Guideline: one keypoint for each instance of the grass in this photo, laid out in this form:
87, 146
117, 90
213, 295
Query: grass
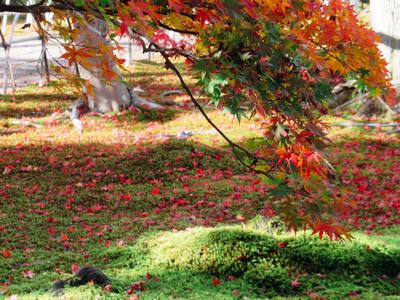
87, 199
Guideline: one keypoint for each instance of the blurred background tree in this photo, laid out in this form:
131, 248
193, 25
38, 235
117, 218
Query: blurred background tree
385, 19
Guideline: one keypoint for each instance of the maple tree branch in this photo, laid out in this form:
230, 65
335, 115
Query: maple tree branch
235, 147
333, 56
183, 31
42, 7
34, 8
137, 36
175, 50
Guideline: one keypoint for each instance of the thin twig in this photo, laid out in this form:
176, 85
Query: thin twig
235, 147
175, 50
183, 31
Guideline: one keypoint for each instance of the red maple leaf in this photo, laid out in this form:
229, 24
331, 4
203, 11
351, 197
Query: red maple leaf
249, 8
75, 268
6, 253
155, 191
51, 230
177, 5
282, 245
64, 237
51, 159
204, 16
216, 281
125, 22
295, 283
28, 273
137, 286
126, 197
73, 53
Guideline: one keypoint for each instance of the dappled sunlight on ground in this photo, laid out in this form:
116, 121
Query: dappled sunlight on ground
66, 197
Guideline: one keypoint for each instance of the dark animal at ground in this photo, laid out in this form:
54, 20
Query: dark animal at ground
84, 276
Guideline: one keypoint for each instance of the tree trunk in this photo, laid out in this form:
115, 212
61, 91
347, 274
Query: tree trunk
385, 16
107, 96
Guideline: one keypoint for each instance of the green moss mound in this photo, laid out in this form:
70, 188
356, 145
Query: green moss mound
246, 262
268, 262
234, 251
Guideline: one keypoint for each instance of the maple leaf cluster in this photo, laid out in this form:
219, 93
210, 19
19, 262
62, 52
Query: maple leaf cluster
274, 58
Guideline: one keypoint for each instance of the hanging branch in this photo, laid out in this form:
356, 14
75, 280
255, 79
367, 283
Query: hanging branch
235, 147
183, 31
34, 8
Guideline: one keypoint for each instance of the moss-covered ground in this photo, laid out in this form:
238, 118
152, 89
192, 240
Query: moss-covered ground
171, 218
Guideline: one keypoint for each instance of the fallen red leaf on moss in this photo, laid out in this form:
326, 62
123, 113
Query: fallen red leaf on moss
216, 281
6, 253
